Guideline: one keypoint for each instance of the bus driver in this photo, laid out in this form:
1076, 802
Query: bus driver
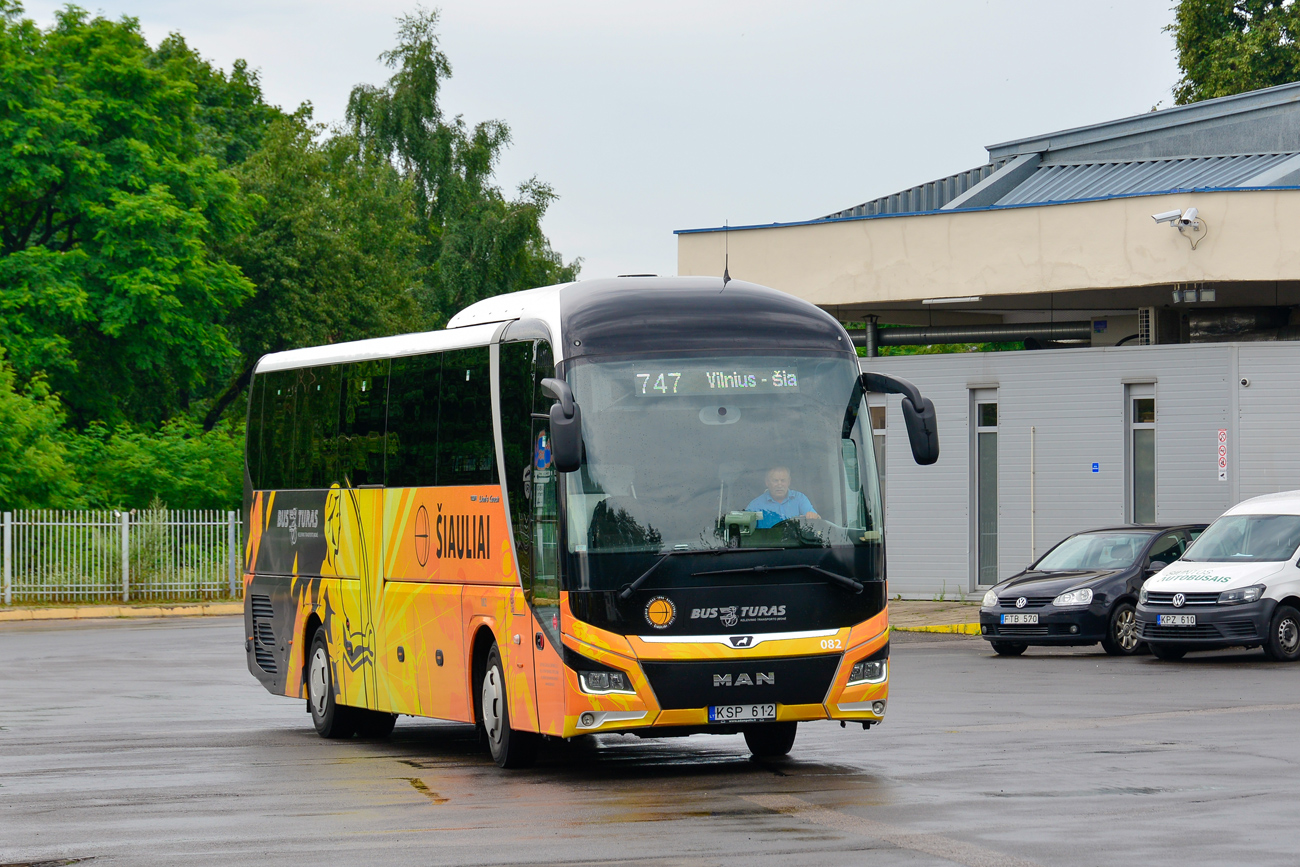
778, 503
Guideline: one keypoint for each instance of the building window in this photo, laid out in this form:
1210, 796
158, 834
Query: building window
877, 414
986, 486
1142, 453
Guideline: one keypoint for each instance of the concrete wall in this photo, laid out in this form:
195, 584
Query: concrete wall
1086, 245
1075, 401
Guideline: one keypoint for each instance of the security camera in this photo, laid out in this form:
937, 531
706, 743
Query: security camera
1169, 217
1189, 216
1245, 383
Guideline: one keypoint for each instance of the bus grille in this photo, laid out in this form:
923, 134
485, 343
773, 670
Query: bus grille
800, 680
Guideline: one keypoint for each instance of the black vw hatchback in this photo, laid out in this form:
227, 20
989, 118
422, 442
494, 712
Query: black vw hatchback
1083, 591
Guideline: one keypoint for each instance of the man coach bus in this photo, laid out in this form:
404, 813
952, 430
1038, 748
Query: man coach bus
539, 520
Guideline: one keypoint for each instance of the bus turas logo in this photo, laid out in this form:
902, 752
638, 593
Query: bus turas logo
733, 614
297, 519
761, 678
463, 537
660, 612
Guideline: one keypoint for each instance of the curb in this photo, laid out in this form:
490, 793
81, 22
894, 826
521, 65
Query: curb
99, 612
950, 628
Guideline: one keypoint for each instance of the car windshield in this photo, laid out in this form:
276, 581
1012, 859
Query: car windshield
1247, 538
687, 454
1093, 551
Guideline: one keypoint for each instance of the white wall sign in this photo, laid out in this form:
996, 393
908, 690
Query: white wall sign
1223, 455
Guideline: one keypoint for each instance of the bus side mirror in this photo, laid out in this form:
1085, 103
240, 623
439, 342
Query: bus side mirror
918, 414
566, 426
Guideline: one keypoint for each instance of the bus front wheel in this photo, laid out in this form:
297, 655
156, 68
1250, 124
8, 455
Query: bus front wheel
331, 719
509, 748
771, 740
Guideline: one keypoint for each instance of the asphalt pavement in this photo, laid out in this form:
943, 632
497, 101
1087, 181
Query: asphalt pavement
147, 742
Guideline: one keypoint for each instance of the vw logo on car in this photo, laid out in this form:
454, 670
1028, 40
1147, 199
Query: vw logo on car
1179, 600
1022, 602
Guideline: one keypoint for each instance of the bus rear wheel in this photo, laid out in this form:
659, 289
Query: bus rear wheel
771, 740
509, 748
331, 719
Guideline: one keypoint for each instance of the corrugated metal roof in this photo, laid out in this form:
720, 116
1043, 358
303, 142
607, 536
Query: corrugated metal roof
1072, 182
923, 197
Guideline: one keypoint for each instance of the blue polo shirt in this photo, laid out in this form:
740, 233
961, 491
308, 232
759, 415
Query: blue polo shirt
795, 505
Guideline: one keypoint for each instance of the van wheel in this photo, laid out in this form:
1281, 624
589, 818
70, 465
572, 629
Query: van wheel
771, 740
1166, 652
509, 748
1283, 642
1122, 631
331, 719
1009, 648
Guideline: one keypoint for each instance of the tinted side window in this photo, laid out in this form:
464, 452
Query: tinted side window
316, 430
413, 389
466, 451
516, 441
253, 434
277, 438
1168, 548
363, 407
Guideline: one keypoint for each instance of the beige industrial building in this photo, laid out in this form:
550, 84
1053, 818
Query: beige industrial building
1154, 262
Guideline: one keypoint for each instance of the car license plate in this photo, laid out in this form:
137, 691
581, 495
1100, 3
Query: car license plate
726, 713
1012, 619
1176, 620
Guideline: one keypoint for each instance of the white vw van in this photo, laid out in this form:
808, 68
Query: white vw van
1237, 585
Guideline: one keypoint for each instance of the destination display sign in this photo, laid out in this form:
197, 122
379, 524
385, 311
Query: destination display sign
693, 380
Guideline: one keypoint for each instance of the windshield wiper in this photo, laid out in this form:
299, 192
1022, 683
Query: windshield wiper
629, 589
843, 580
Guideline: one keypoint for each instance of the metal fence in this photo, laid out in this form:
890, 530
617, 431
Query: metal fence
64, 556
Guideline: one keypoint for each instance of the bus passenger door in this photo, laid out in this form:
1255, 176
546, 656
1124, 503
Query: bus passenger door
545, 580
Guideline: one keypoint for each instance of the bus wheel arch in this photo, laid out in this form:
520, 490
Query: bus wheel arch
480, 647
308, 634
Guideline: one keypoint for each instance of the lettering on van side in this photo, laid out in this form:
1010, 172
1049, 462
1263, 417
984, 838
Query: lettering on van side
463, 537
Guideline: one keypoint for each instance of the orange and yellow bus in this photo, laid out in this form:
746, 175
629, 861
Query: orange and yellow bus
640, 505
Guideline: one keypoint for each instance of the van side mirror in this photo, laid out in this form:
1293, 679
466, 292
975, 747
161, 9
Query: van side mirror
1155, 566
566, 426
918, 414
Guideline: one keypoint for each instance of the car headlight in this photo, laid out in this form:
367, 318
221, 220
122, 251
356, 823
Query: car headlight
990, 600
1241, 594
604, 682
869, 671
1142, 596
1072, 598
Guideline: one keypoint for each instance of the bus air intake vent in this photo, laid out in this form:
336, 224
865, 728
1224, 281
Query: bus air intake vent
262, 609
263, 633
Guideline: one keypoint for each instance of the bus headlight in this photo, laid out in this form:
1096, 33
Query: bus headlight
1074, 598
869, 671
1241, 594
990, 600
605, 682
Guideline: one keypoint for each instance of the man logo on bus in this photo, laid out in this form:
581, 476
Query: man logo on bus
660, 612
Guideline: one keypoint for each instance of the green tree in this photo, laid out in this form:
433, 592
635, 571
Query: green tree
476, 242
110, 206
35, 466
1232, 46
331, 249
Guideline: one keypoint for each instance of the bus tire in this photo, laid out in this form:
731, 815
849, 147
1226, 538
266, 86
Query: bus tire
1283, 641
509, 748
771, 740
331, 719
1167, 652
373, 724
1122, 631
1009, 648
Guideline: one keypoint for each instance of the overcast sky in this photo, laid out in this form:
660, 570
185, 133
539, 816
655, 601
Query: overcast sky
653, 116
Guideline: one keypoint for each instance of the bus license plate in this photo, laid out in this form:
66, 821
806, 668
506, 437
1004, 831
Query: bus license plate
727, 713
1176, 620
1022, 619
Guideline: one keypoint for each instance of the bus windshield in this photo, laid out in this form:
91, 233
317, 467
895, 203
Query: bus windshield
690, 454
